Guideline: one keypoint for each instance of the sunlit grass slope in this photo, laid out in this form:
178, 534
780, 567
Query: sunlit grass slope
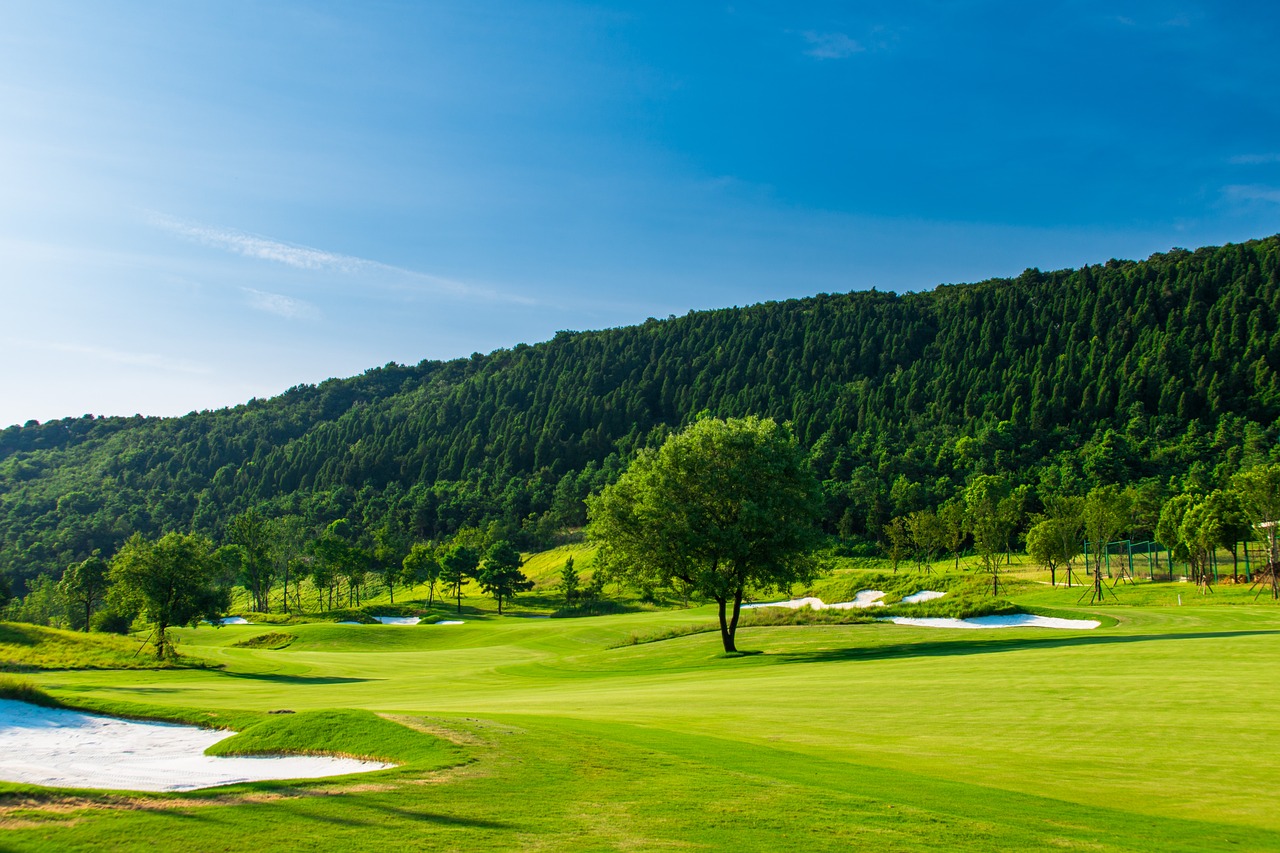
1148, 734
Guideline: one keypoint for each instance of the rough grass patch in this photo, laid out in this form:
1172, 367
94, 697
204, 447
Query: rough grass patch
22, 690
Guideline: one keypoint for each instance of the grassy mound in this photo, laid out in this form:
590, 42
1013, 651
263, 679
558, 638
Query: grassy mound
28, 648
270, 640
344, 733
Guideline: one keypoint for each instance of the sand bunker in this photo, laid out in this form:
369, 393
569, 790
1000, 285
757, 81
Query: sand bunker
865, 598
923, 595
64, 748
451, 622
234, 620
398, 620
1018, 620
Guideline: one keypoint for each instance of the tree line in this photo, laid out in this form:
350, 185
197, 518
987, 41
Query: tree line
183, 578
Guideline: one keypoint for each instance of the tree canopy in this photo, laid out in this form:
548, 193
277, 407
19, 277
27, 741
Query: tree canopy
721, 506
172, 581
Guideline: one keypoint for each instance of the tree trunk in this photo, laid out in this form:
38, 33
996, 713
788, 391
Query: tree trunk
1053, 575
161, 640
88, 609
726, 631
391, 588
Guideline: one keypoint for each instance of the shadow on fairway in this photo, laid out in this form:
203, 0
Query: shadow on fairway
945, 648
296, 679
437, 818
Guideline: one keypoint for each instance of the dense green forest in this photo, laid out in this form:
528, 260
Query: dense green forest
1160, 374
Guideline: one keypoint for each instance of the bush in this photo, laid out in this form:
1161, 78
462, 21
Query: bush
112, 622
592, 608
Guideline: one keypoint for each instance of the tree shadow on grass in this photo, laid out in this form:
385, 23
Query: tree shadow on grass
987, 645
437, 818
276, 678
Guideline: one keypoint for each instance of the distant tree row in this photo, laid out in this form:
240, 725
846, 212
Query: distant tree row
180, 579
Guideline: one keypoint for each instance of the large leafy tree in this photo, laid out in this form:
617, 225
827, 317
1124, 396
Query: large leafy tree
723, 505
171, 581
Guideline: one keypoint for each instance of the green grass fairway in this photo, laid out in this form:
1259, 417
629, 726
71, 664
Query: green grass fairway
1152, 733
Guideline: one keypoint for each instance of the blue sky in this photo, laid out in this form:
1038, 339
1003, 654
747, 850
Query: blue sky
205, 202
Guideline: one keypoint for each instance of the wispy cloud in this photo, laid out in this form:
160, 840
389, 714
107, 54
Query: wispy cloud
318, 260
1252, 192
281, 305
261, 248
132, 359
831, 45
1254, 159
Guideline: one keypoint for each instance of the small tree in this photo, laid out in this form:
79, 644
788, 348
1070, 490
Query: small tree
84, 586
420, 565
721, 505
457, 568
500, 575
252, 533
1065, 511
1048, 547
988, 523
1169, 527
1230, 524
1106, 513
951, 515
355, 570
288, 540
899, 541
171, 581
1259, 490
388, 557
569, 582
928, 535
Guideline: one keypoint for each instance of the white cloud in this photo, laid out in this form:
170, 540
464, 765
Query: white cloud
318, 260
262, 248
831, 45
281, 305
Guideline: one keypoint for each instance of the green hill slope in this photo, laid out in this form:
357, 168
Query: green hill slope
1109, 373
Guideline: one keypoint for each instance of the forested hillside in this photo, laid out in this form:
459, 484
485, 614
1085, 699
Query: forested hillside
1118, 373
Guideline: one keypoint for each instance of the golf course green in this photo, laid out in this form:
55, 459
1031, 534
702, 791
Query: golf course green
1151, 732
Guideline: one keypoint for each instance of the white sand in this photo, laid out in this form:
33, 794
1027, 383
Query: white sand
451, 622
865, 598
923, 595
398, 620
1019, 620
59, 747
234, 620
